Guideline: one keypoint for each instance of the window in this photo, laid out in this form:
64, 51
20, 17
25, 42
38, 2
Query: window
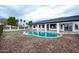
76, 26
33, 26
53, 26
43, 26
61, 26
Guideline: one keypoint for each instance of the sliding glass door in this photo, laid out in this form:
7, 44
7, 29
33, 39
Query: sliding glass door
68, 27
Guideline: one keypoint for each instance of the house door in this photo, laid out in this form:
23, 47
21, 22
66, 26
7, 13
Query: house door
68, 27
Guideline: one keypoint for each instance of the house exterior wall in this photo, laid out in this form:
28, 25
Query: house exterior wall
51, 28
74, 28
61, 29
37, 27
33, 26
58, 27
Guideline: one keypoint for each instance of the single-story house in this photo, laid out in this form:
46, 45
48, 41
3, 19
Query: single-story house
70, 23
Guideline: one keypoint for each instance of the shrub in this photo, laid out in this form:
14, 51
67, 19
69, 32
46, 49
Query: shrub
1, 30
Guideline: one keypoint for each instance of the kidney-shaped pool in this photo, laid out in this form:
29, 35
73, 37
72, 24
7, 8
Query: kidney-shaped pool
43, 34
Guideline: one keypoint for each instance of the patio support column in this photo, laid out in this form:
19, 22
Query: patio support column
32, 26
10, 27
28, 27
18, 27
73, 27
49, 26
37, 27
41, 27
45, 27
58, 28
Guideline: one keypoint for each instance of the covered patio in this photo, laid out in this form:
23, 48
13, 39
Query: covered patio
48, 27
58, 25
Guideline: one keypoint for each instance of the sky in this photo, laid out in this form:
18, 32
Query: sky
38, 12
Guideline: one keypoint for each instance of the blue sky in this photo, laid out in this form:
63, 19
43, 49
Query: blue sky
38, 12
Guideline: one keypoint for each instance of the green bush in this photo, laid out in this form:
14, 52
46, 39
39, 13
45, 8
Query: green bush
1, 30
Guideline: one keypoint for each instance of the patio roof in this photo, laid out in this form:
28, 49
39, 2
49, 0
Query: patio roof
57, 20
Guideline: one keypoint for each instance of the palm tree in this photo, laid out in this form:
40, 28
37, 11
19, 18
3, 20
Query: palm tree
30, 24
24, 21
20, 20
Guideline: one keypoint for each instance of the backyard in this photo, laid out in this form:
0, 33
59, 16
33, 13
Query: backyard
16, 42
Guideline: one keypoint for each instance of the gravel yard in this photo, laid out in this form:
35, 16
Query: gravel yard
16, 42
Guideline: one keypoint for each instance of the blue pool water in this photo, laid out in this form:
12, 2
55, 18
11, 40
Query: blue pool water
43, 34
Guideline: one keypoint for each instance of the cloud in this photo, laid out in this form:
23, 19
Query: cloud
38, 12
47, 12
74, 10
17, 11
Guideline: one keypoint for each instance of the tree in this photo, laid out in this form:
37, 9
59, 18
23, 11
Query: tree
17, 21
1, 30
12, 21
20, 20
24, 21
30, 24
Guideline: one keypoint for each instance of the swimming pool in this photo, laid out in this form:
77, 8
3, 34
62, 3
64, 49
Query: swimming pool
43, 34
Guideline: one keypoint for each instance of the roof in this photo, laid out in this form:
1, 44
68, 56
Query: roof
61, 19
